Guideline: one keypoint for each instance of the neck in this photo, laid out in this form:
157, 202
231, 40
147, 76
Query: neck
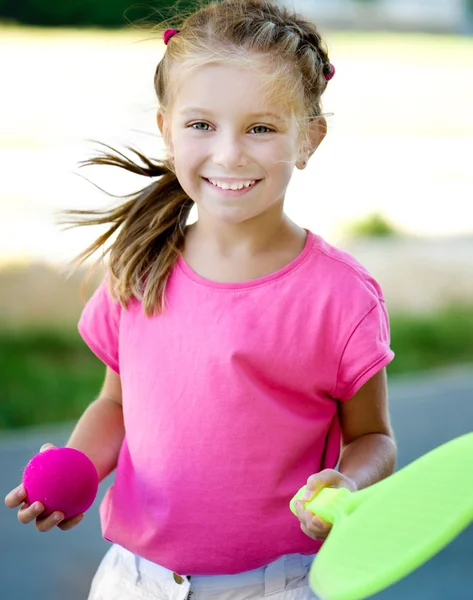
250, 238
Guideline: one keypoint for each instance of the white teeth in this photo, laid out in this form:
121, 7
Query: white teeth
231, 186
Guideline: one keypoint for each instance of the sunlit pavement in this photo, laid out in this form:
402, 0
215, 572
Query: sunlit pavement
426, 412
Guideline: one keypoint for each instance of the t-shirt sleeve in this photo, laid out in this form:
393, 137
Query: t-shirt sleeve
99, 326
366, 352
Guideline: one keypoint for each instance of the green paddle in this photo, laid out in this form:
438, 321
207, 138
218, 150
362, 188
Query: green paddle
384, 532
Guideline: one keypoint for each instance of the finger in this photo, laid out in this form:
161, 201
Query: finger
319, 525
70, 523
317, 482
311, 522
48, 523
319, 537
30, 512
15, 497
316, 527
301, 512
305, 516
46, 446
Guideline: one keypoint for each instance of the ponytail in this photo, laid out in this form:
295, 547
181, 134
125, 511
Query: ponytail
149, 227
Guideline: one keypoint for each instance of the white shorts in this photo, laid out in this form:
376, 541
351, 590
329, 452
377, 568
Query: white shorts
125, 576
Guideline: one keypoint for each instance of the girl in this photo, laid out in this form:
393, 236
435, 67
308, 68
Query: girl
244, 355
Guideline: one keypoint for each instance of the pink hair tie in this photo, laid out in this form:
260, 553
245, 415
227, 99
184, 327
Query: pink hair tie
168, 35
329, 76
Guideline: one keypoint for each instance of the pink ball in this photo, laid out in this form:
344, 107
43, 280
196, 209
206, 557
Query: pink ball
63, 479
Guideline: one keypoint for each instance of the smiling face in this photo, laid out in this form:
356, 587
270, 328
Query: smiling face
223, 133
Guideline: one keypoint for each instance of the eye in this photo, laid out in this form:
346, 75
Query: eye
200, 126
268, 130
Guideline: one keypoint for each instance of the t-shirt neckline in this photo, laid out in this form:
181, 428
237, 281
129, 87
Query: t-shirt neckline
270, 277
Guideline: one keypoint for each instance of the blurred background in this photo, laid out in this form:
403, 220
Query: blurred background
392, 184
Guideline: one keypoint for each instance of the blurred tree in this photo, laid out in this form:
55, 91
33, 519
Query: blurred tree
372, 226
101, 13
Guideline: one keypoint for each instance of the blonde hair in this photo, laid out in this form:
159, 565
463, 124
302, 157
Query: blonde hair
150, 223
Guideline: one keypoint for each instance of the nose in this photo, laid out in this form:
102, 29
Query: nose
229, 151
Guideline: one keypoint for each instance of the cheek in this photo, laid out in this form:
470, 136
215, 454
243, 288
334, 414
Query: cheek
282, 167
187, 154
283, 158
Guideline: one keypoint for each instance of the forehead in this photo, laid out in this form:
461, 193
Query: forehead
226, 89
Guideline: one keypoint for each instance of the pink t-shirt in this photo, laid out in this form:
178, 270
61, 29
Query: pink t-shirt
230, 403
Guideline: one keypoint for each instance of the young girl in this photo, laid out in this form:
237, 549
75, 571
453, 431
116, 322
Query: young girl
244, 355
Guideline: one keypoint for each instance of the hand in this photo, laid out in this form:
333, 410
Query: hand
28, 513
313, 526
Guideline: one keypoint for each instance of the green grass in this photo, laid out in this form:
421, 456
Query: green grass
47, 377
431, 341
50, 376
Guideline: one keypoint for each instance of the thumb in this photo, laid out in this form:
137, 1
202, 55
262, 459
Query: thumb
47, 446
317, 482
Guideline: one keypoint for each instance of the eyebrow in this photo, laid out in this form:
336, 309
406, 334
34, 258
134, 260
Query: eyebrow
262, 115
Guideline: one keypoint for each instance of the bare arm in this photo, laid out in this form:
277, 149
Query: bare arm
369, 450
368, 453
100, 431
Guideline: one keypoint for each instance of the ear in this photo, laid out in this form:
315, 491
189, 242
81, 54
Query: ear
317, 129
163, 127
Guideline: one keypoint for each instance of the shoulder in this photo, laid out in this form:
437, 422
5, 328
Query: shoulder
337, 271
356, 320
104, 299
99, 324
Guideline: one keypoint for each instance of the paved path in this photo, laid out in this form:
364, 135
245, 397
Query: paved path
59, 565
